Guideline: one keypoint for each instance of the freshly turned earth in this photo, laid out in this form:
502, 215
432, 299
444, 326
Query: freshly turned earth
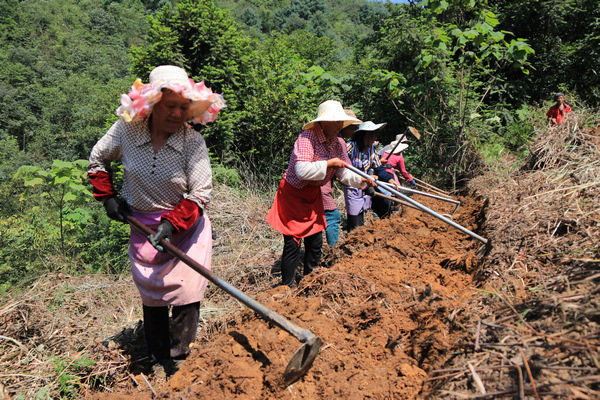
385, 308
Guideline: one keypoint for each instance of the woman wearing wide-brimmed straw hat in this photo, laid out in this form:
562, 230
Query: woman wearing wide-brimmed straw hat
393, 159
362, 153
297, 211
167, 182
332, 214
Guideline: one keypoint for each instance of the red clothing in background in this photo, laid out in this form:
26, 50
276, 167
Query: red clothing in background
558, 114
397, 161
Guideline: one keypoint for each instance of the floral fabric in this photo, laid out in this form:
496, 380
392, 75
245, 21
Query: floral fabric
363, 160
138, 103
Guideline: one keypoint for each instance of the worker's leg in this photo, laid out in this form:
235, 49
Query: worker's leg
184, 323
156, 330
381, 206
332, 232
312, 252
355, 221
290, 258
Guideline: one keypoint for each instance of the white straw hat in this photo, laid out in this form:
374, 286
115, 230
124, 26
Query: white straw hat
370, 126
171, 74
331, 110
402, 144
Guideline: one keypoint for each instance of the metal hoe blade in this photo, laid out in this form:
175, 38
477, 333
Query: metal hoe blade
302, 360
304, 356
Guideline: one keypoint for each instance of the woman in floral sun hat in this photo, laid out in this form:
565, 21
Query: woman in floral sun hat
167, 183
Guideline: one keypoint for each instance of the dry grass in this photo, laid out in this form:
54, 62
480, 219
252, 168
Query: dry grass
49, 332
535, 330
64, 334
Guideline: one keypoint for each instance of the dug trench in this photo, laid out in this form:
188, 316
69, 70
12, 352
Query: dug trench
388, 306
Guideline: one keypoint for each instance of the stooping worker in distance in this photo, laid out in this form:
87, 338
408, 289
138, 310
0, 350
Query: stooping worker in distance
395, 160
167, 183
557, 112
297, 211
332, 214
363, 155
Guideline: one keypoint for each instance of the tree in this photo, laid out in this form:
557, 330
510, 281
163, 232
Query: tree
64, 185
564, 36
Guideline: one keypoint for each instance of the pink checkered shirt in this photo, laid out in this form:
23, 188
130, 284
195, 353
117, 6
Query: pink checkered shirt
312, 145
327, 196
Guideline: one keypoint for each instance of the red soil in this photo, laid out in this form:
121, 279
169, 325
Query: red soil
387, 308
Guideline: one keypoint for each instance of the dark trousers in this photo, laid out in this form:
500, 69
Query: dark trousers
355, 221
170, 337
380, 206
290, 258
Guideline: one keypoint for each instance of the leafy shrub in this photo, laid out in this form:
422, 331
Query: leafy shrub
225, 175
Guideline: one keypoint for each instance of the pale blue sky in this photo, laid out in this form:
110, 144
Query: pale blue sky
392, 1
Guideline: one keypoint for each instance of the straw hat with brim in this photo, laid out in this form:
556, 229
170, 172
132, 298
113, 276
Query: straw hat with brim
138, 103
351, 114
331, 111
370, 126
403, 145
350, 129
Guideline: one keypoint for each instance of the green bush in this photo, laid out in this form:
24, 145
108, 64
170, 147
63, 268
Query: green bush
225, 175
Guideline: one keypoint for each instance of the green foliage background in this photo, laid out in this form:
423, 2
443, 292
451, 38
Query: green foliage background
473, 76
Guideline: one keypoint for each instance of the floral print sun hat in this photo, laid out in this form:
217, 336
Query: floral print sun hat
138, 103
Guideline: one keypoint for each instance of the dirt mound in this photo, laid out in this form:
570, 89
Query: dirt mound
385, 307
534, 326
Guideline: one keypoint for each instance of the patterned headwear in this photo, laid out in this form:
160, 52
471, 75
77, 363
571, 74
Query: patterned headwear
138, 103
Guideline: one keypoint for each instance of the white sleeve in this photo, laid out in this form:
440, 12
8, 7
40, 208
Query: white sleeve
349, 178
311, 171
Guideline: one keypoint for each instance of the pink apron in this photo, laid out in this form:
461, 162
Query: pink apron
162, 279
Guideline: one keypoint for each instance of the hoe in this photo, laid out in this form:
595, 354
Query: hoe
302, 358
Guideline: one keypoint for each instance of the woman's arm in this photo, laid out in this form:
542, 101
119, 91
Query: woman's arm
106, 150
311, 170
403, 170
197, 170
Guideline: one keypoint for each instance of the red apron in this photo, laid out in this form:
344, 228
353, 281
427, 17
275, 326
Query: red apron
297, 212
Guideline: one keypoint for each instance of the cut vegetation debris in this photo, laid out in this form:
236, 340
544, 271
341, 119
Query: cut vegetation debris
405, 306
534, 327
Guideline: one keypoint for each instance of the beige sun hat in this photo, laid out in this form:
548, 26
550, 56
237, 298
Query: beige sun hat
402, 143
351, 114
348, 131
171, 74
331, 110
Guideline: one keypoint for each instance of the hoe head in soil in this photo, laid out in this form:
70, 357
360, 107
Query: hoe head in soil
302, 360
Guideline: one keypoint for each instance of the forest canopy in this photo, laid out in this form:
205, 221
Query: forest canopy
469, 74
